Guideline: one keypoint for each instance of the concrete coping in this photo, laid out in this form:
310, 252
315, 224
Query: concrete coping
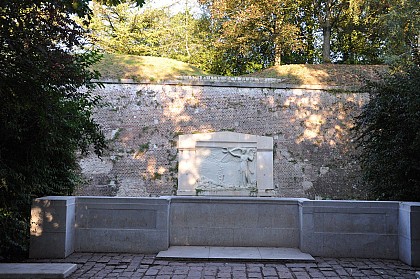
57, 198
110, 198
412, 206
363, 203
245, 82
36, 270
221, 139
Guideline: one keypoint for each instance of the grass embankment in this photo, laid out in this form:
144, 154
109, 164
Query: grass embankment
324, 74
116, 66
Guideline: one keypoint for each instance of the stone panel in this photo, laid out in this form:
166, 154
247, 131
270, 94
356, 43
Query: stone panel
130, 219
221, 221
122, 225
349, 229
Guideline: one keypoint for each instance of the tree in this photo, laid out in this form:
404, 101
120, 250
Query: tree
328, 14
126, 29
389, 137
307, 22
400, 31
253, 34
186, 38
358, 38
367, 31
45, 109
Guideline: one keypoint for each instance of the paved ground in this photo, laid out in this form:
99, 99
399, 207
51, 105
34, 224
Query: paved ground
106, 265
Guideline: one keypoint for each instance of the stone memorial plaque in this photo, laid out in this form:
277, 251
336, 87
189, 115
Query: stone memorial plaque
226, 164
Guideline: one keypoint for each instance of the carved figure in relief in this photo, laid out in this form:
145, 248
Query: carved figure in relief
246, 155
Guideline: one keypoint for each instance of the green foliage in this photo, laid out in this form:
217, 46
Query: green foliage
250, 35
127, 29
233, 37
358, 34
400, 31
389, 137
144, 147
117, 29
156, 176
45, 119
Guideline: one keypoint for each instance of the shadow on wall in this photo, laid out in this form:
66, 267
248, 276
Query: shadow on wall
326, 138
52, 227
313, 155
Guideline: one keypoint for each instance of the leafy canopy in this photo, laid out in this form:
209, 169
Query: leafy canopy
234, 37
389, 136
127, 29
45, 117
253, 34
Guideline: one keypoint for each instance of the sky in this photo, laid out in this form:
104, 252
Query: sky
175, 5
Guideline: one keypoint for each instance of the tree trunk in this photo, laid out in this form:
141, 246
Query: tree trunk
277, 55
277, 46
418, 44
326, 32
326, 45
187, 12
310, 48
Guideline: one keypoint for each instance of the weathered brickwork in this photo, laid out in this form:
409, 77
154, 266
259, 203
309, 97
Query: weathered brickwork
313, 152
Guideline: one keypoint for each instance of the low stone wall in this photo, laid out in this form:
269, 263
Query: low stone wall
342, 228
63, 225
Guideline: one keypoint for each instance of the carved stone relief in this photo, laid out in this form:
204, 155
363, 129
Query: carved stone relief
227, 168
225, 163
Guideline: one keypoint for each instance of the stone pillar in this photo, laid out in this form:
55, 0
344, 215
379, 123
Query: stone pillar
52, 227
265, 167
409, 233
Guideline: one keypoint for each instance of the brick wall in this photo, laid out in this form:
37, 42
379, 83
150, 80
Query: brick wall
313, 152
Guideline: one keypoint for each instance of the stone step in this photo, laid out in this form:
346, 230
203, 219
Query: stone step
36, 270
235, 253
